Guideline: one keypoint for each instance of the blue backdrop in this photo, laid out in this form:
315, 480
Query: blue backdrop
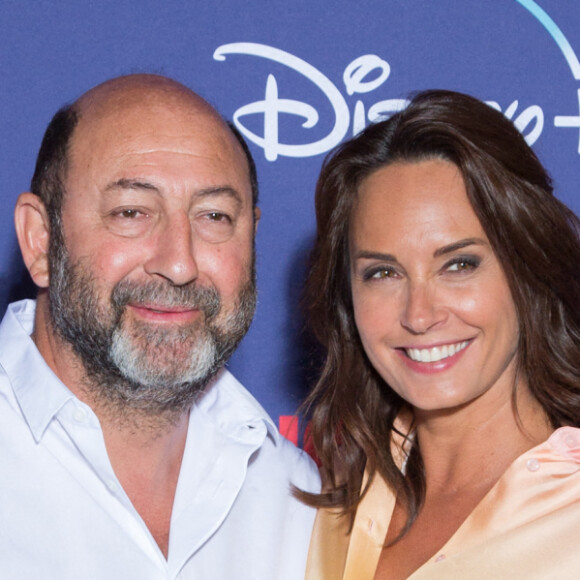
297, 77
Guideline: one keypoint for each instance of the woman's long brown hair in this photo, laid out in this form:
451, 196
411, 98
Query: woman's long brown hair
534, 236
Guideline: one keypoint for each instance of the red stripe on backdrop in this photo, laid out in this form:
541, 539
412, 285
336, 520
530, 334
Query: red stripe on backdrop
288, 427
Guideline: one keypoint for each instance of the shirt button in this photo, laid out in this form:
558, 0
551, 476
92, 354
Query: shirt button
440, 558
112, 485
533, 465
571, 441
79, 415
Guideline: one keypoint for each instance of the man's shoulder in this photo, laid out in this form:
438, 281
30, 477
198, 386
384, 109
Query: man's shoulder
299, 465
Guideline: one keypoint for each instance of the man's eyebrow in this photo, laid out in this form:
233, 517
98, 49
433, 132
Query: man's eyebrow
459, 246
219, 191
125, 183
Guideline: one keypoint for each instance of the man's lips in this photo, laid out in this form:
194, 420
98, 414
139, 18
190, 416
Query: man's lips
160, 313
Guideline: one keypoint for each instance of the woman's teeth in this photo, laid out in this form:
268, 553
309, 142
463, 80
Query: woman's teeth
436, 353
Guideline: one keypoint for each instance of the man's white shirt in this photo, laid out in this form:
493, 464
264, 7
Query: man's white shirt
64, 515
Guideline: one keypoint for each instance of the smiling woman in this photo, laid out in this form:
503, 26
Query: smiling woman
425, 281
444, 288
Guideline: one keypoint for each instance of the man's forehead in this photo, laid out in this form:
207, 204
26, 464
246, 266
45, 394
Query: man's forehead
162, 123
165, 115
134, 89
139, 105
132, 125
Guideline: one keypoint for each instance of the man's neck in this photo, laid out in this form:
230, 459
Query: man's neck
145, 449
147, 463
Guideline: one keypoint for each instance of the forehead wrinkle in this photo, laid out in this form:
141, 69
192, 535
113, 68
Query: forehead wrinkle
153, 105
137, 184
125, 183
131, 139
121, 117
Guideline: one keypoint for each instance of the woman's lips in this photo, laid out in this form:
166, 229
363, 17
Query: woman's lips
433, 359
436, 353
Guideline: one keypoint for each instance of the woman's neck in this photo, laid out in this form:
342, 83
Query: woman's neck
456, 444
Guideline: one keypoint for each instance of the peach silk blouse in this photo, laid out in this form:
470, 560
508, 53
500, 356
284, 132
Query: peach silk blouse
526, 527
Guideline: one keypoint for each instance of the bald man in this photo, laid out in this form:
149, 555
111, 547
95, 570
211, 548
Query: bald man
126, 449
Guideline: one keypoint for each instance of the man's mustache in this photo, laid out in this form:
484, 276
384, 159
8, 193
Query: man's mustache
165, 295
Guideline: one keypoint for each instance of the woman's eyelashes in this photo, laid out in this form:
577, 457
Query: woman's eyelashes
463, 263
380, 273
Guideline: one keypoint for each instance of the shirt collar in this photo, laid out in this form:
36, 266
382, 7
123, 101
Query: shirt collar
233, 409
38, 391
41, 395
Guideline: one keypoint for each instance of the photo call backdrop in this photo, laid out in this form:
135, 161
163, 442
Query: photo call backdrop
297, 78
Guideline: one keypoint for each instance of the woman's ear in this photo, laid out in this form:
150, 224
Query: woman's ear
33, 232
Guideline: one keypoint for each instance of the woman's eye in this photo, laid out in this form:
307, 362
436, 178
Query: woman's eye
463, 265
380, 273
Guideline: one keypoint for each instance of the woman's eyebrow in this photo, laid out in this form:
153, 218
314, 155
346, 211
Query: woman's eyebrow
366, 255
459, 246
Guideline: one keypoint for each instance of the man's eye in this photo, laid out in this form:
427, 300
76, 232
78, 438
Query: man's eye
129, 213
128, 221
214, 226
217, 216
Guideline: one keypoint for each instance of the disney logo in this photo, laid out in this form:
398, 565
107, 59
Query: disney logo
363, 75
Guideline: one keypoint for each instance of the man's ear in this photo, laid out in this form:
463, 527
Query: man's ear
257, 216
32, 230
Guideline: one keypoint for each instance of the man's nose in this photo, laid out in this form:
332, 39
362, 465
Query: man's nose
173, 253
422, 309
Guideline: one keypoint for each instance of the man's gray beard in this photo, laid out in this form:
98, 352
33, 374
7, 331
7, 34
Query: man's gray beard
155, 369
